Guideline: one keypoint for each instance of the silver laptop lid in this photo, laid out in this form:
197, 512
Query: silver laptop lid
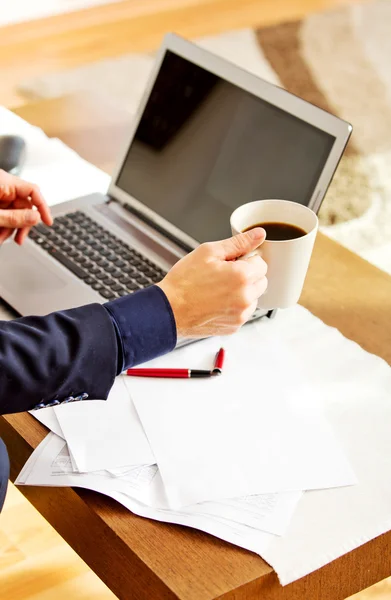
209, 136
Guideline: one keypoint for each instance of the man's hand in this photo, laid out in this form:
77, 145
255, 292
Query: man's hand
213, 294
17, 201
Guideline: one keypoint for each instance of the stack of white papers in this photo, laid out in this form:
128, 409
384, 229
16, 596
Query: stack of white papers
104, 435
254, 432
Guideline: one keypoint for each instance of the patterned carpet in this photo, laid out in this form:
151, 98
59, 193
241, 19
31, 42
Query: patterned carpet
340, 61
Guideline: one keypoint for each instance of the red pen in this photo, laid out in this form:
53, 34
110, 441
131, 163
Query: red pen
219, 361
174, 373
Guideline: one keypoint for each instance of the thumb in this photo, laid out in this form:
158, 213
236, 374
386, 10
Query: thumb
241, 244
17, 218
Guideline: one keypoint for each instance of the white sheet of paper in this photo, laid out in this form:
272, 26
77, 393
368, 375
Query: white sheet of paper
36, 461
355, 390
105, 434
254, 430
229, 531
266, 512
47, 417
271, 512
50, 465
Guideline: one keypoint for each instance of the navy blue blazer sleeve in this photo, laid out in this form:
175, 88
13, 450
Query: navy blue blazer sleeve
80, 351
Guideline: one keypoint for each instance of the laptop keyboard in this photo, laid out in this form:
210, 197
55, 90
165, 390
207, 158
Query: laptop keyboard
99, 258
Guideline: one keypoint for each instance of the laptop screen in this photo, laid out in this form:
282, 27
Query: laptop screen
205, 146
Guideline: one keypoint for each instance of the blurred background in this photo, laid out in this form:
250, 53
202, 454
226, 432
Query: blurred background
334, 53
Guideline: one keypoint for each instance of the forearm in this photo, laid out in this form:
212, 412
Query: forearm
49, 358
45, 360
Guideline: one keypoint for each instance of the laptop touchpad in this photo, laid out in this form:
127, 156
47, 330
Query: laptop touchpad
23, 270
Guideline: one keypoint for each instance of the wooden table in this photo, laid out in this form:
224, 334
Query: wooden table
142, 559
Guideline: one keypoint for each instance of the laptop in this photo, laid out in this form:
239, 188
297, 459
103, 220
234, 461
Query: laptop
208, 137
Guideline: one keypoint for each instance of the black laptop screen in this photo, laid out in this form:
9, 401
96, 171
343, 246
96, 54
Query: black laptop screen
204, 147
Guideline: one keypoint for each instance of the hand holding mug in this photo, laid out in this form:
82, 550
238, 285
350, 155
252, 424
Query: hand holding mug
212, 293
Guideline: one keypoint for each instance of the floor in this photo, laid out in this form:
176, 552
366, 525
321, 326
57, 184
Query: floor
20, 11
35, 563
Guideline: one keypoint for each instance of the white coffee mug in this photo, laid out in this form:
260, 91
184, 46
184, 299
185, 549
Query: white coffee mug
287, 260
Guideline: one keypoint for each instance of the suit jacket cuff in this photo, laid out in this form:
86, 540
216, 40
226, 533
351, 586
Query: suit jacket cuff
145, 325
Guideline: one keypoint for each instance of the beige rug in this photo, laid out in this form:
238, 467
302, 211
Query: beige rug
338, 60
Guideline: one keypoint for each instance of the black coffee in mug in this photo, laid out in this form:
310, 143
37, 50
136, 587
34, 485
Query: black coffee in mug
278, 232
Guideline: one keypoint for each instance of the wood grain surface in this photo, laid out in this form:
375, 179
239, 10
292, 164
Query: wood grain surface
138, 558
70, 40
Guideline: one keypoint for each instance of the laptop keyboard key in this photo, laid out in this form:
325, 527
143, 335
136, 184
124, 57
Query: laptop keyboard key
102, 262
150, 272
62, 245
142, 280
109, 282
115, 272
94, 270
42, 229
69, 264
129, 269
123, 293
125, 254
133, 286
81, 259
108, 294
120, 264
77, 216
125, 279
101, 275
143, 267
104, 252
